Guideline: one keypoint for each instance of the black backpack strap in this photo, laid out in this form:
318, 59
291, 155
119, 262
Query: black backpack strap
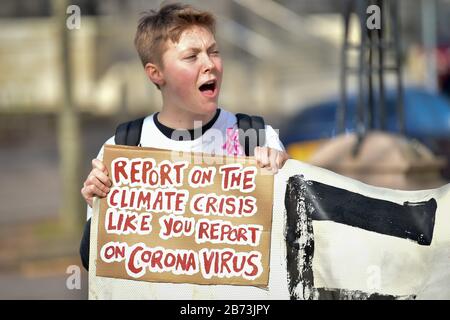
246, 122
129, 133
258, 124
84, 245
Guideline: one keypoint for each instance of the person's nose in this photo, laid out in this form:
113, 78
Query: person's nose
207, 64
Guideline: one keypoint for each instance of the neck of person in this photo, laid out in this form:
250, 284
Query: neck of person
177, 118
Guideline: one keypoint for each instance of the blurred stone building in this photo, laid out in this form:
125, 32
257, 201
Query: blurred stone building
285, 54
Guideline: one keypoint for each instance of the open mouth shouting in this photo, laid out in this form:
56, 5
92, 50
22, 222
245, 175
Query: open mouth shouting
209, 88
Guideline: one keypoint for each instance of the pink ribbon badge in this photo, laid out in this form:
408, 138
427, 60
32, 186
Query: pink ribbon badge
232, 145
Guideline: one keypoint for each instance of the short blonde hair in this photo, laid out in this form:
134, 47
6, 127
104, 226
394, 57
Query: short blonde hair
156, 27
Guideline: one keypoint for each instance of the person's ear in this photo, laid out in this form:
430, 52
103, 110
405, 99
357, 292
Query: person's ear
154, 74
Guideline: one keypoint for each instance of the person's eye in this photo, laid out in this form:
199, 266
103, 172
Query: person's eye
191, 57
215, 52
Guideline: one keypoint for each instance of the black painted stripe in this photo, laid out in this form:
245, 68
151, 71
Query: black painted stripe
308, 200
299, 243
410, 220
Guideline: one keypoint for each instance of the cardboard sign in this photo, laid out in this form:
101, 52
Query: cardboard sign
184, 218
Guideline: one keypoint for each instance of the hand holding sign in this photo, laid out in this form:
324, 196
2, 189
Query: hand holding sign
97, 183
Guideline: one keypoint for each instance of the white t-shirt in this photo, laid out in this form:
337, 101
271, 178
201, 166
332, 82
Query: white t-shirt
221, 139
